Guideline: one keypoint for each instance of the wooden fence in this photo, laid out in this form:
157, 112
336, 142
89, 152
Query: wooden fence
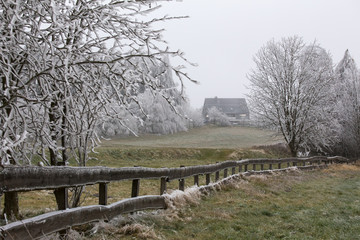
29, 178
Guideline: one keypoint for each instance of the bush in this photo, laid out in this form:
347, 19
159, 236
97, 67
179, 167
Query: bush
218, 118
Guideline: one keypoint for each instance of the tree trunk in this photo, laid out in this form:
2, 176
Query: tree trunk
293, 149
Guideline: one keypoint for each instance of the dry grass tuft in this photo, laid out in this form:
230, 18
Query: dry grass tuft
139, 230
71, 235
178, 199
257, 177
124, 226
104, 227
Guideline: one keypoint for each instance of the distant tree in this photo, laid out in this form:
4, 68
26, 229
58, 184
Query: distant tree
195, 117
291, 90
160, 118
348, 106
163, 112
127, 126
215, 116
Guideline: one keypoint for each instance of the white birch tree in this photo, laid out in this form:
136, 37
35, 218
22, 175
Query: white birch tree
291, 92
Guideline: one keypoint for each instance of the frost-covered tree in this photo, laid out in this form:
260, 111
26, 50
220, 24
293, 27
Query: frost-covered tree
194, 116
215, 116
67, 65
348, 105
163, 112
291, 91
160, 118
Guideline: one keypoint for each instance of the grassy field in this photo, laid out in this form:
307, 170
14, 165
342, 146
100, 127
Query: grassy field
198, 146
298, 205
186, 148
205, 137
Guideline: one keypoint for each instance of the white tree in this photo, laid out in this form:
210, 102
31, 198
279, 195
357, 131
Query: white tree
195, 117
348, 105
163, 110
159, 113
160, 118
65, 66
291, 91
215, 116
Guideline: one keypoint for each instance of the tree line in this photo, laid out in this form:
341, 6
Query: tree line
297, 90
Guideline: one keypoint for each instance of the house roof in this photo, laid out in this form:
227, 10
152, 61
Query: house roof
227, 105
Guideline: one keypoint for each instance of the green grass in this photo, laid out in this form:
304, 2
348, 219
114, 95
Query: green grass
204, 137
158, 157
196, 147
300, 205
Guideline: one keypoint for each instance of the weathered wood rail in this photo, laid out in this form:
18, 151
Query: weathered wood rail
18, 179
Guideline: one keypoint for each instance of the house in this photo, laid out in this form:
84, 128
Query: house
235, 108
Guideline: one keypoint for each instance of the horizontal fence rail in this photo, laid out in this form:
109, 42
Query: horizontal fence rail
55, 221
28, 178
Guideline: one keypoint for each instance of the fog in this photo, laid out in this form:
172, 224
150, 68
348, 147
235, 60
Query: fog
223, 36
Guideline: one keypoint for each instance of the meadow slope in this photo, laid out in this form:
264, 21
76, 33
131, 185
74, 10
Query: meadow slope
204, 137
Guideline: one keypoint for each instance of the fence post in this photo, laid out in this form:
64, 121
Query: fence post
207, 178
103, 193
217, 174
182, 182
240, 168
245, 168
225, 172
262, 167
61, 195
196, 180
254, 167
233, 171
62, 200
304, 163
135, 188
294, 164
288, 164
279, 165
162, 185
270, 166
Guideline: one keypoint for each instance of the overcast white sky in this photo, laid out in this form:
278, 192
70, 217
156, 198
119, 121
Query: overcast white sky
222, 36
